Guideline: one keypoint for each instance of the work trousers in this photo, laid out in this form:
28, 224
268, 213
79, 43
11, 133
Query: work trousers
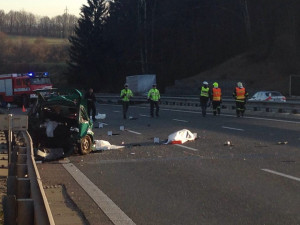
216, 107
91, 107
203, 103
125, 108
240, 108
152, 105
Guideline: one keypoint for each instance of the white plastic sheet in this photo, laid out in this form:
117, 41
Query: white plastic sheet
105, 145
100, 116
181, 136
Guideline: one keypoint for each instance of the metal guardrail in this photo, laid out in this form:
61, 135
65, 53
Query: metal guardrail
292, 107
25, 202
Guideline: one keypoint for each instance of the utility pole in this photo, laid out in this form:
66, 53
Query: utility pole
142, 24
65, 21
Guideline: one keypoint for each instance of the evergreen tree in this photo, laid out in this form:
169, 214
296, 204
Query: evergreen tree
86, 63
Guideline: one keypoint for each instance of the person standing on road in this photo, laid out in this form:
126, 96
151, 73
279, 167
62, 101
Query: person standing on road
240, 94
204, 97
91, 99
154, 98
126, 94
216, 99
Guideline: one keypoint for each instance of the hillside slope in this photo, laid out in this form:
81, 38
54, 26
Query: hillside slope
256, 75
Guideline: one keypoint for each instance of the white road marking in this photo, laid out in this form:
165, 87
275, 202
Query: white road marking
225, 115
232, 128
113, 212
131, 131
276, 120
281, 174
144, 115
248, 117
178, 110
185, 121
116, 111
182, 146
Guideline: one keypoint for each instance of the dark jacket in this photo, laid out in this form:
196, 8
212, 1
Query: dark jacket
90, 97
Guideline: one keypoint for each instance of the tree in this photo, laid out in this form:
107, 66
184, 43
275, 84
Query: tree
2, 20
86, 64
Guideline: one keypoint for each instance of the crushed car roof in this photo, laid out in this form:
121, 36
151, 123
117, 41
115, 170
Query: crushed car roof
58, 95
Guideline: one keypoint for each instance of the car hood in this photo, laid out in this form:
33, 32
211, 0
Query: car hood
70, 97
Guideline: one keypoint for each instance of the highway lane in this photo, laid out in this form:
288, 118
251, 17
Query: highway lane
207, 183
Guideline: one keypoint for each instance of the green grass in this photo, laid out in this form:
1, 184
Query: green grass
50, 41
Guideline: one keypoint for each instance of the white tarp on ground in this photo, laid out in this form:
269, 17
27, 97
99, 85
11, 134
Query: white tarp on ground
181, 136
105, 145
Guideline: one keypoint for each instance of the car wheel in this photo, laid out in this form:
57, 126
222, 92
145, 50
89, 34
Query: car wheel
85, 145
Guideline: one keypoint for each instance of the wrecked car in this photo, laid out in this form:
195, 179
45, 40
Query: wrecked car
59, 119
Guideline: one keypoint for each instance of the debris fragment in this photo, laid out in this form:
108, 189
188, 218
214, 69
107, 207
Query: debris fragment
156, 140
228, 143
100, 116
136, 145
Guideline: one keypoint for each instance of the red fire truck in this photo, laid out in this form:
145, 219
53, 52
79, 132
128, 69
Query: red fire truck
19, 88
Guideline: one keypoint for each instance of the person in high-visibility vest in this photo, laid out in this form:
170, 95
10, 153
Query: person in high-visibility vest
126, 94
154, 98
240, 94
216, 95
204, 97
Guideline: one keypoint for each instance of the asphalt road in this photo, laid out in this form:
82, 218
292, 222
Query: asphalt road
255, 180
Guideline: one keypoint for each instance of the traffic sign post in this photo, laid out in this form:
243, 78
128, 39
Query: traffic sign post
10, 123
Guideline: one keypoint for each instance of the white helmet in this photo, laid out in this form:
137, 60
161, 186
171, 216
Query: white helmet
240, 84
205, 83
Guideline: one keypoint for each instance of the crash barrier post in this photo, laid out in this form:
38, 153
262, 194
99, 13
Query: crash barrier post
292, 107
25, 202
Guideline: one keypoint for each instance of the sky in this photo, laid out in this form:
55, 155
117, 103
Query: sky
50, 8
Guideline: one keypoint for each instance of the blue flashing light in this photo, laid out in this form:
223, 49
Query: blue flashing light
30, 74
46, 73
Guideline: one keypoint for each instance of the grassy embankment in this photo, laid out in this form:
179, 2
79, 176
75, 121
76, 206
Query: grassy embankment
54, 62
31, 40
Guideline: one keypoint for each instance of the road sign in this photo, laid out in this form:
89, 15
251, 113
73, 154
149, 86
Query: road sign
19, 122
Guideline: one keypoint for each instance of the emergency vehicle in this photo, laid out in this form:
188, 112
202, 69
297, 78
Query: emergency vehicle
19, 88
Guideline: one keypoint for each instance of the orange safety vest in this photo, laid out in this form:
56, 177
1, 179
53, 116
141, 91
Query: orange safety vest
216, 94
240, 93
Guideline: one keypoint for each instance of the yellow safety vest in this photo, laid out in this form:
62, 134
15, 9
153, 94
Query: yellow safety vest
204, 92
